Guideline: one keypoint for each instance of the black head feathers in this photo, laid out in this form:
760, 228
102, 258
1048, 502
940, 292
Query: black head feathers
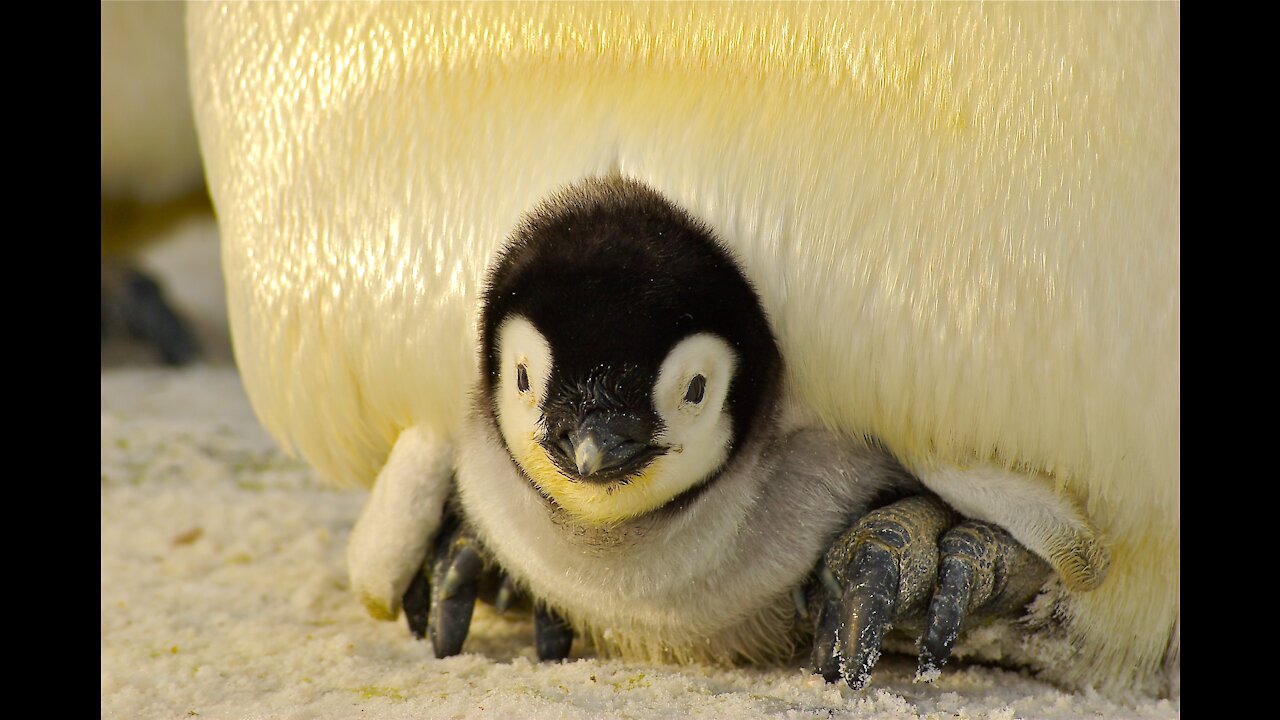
613, 276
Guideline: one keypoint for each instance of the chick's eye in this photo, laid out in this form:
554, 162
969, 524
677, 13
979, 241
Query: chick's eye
522, 378
697, 388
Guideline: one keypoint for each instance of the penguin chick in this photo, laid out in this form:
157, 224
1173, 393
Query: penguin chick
633, 461
613, 334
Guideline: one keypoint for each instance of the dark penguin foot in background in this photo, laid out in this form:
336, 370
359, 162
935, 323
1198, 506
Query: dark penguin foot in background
135, 304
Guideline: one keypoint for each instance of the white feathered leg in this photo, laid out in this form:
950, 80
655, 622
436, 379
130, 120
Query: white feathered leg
1047, 522
404, 511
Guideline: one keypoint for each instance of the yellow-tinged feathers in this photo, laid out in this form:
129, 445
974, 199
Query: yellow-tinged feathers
961, 218
594, 503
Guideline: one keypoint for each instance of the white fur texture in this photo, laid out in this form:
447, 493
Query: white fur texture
388, 543
1045, 521
963, 220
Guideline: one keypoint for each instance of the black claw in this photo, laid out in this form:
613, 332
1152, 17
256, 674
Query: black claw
868, 609
825, 661
982, 570
452, 620
946, 614
417, 605
456, 575
552, 635
881, 568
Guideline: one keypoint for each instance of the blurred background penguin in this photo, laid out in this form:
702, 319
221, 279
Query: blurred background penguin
153, 189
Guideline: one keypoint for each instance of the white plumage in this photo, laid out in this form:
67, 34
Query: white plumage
962, 220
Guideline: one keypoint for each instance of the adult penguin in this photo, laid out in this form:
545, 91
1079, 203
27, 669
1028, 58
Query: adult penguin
962, 221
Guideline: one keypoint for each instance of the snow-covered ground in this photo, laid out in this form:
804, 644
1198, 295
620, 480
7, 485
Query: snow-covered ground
224, 589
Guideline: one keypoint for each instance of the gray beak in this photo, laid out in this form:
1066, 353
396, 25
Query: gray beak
606, 447
587, 454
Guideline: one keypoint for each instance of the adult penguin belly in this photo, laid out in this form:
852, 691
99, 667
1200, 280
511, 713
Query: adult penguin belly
962, 220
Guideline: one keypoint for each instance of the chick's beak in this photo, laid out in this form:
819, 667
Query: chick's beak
605, 447
586, 453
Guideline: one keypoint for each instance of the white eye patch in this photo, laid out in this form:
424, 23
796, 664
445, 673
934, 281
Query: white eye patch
524, 366
694, 378
689, 395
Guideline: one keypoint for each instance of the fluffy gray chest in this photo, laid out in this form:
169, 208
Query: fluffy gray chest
707, 578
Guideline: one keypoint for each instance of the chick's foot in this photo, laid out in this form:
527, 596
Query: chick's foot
915, 563
458, 572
